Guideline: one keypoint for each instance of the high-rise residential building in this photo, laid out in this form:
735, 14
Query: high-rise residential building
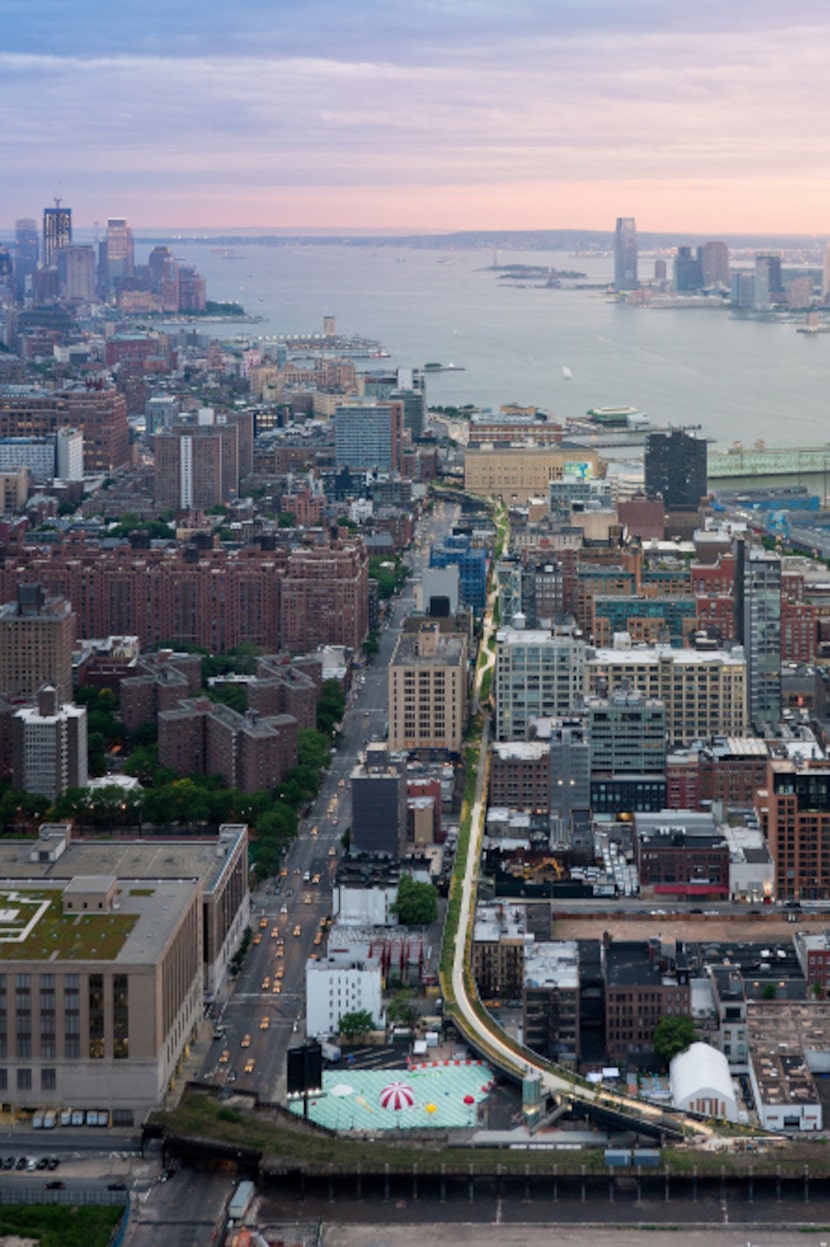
428, 690
675, 469
69, 454
625, 254
324, 597
76, 272
120, 252
199, 464
538, 675
367, 436
26, 252
768, 281
192, 289
688, 271
714, 262
57, 232
379, 804
758, 628
49, 746
794, 812
36, 638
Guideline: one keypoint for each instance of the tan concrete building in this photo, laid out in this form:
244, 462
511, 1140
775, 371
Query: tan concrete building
517, 473
108, 949
428, 690
704, 692
37, 634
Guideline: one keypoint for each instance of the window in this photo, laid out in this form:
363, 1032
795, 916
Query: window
48, 1080
96, 1016
24, 1080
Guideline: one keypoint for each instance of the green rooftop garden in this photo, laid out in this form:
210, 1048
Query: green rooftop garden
60, 936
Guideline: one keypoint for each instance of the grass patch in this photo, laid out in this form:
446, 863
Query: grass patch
68, 937
60, 1225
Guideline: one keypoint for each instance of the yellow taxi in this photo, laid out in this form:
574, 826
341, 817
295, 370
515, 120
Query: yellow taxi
225, 1057
266, 982
298, 930
265, 1023
249, 1065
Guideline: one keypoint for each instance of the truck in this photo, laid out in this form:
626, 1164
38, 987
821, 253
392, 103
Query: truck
330, 1051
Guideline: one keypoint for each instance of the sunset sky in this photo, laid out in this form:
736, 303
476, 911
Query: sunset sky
418, 114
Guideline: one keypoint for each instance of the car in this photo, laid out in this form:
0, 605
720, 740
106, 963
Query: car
43, 1162
225, 1056
341, 783
335, 821
20, 1163
332, 851
8, 1163
318, 939
275, 933
280, 951
279, 973
307, 899
249, 1065
257, 938
323, 923
263, 923
265, 1023
246, 1041
315, 878
116, 1186
266, 982
53, 1162
284, 873
31, 1164
298, 930
315, 830
56, 1186
277, 988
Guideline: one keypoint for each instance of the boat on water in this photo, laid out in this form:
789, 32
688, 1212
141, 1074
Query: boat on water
566, 372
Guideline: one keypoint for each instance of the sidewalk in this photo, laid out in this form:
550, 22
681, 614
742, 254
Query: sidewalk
191, 1064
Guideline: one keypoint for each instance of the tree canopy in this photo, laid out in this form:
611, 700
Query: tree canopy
358, 1022
416, 904
673, 1035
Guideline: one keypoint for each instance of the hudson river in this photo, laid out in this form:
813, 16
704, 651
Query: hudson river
739, 379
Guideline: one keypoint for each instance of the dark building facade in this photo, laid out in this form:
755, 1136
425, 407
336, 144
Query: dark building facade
675, 468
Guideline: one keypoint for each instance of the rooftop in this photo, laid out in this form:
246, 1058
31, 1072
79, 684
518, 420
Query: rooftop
553, 964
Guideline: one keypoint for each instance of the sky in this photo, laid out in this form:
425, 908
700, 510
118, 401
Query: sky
418, 114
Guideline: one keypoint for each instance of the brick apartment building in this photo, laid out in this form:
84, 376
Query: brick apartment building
325, 597
520, 775
202, 737
99, 412
643, 983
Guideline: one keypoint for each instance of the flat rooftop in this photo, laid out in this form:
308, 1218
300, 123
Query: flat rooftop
34, 926
122, 859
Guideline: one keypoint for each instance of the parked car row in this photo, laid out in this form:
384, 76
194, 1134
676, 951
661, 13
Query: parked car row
30, 1163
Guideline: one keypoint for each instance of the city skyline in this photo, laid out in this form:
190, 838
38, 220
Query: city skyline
388, 116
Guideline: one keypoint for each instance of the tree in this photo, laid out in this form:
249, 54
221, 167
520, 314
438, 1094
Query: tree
356, 1023
768, 991
401, 1009
673, 1035
416, 904
331, 706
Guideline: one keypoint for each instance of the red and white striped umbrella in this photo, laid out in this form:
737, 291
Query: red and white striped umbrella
397, 1095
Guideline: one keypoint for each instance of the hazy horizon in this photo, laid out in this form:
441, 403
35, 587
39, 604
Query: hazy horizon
453, 114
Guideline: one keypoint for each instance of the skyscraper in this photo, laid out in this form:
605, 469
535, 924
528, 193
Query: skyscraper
26, 252
57, 232
625, 254
120, 255
367, 436
768, 281
675, 468
714, 259
758, 628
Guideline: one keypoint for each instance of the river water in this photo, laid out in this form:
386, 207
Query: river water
740, 380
